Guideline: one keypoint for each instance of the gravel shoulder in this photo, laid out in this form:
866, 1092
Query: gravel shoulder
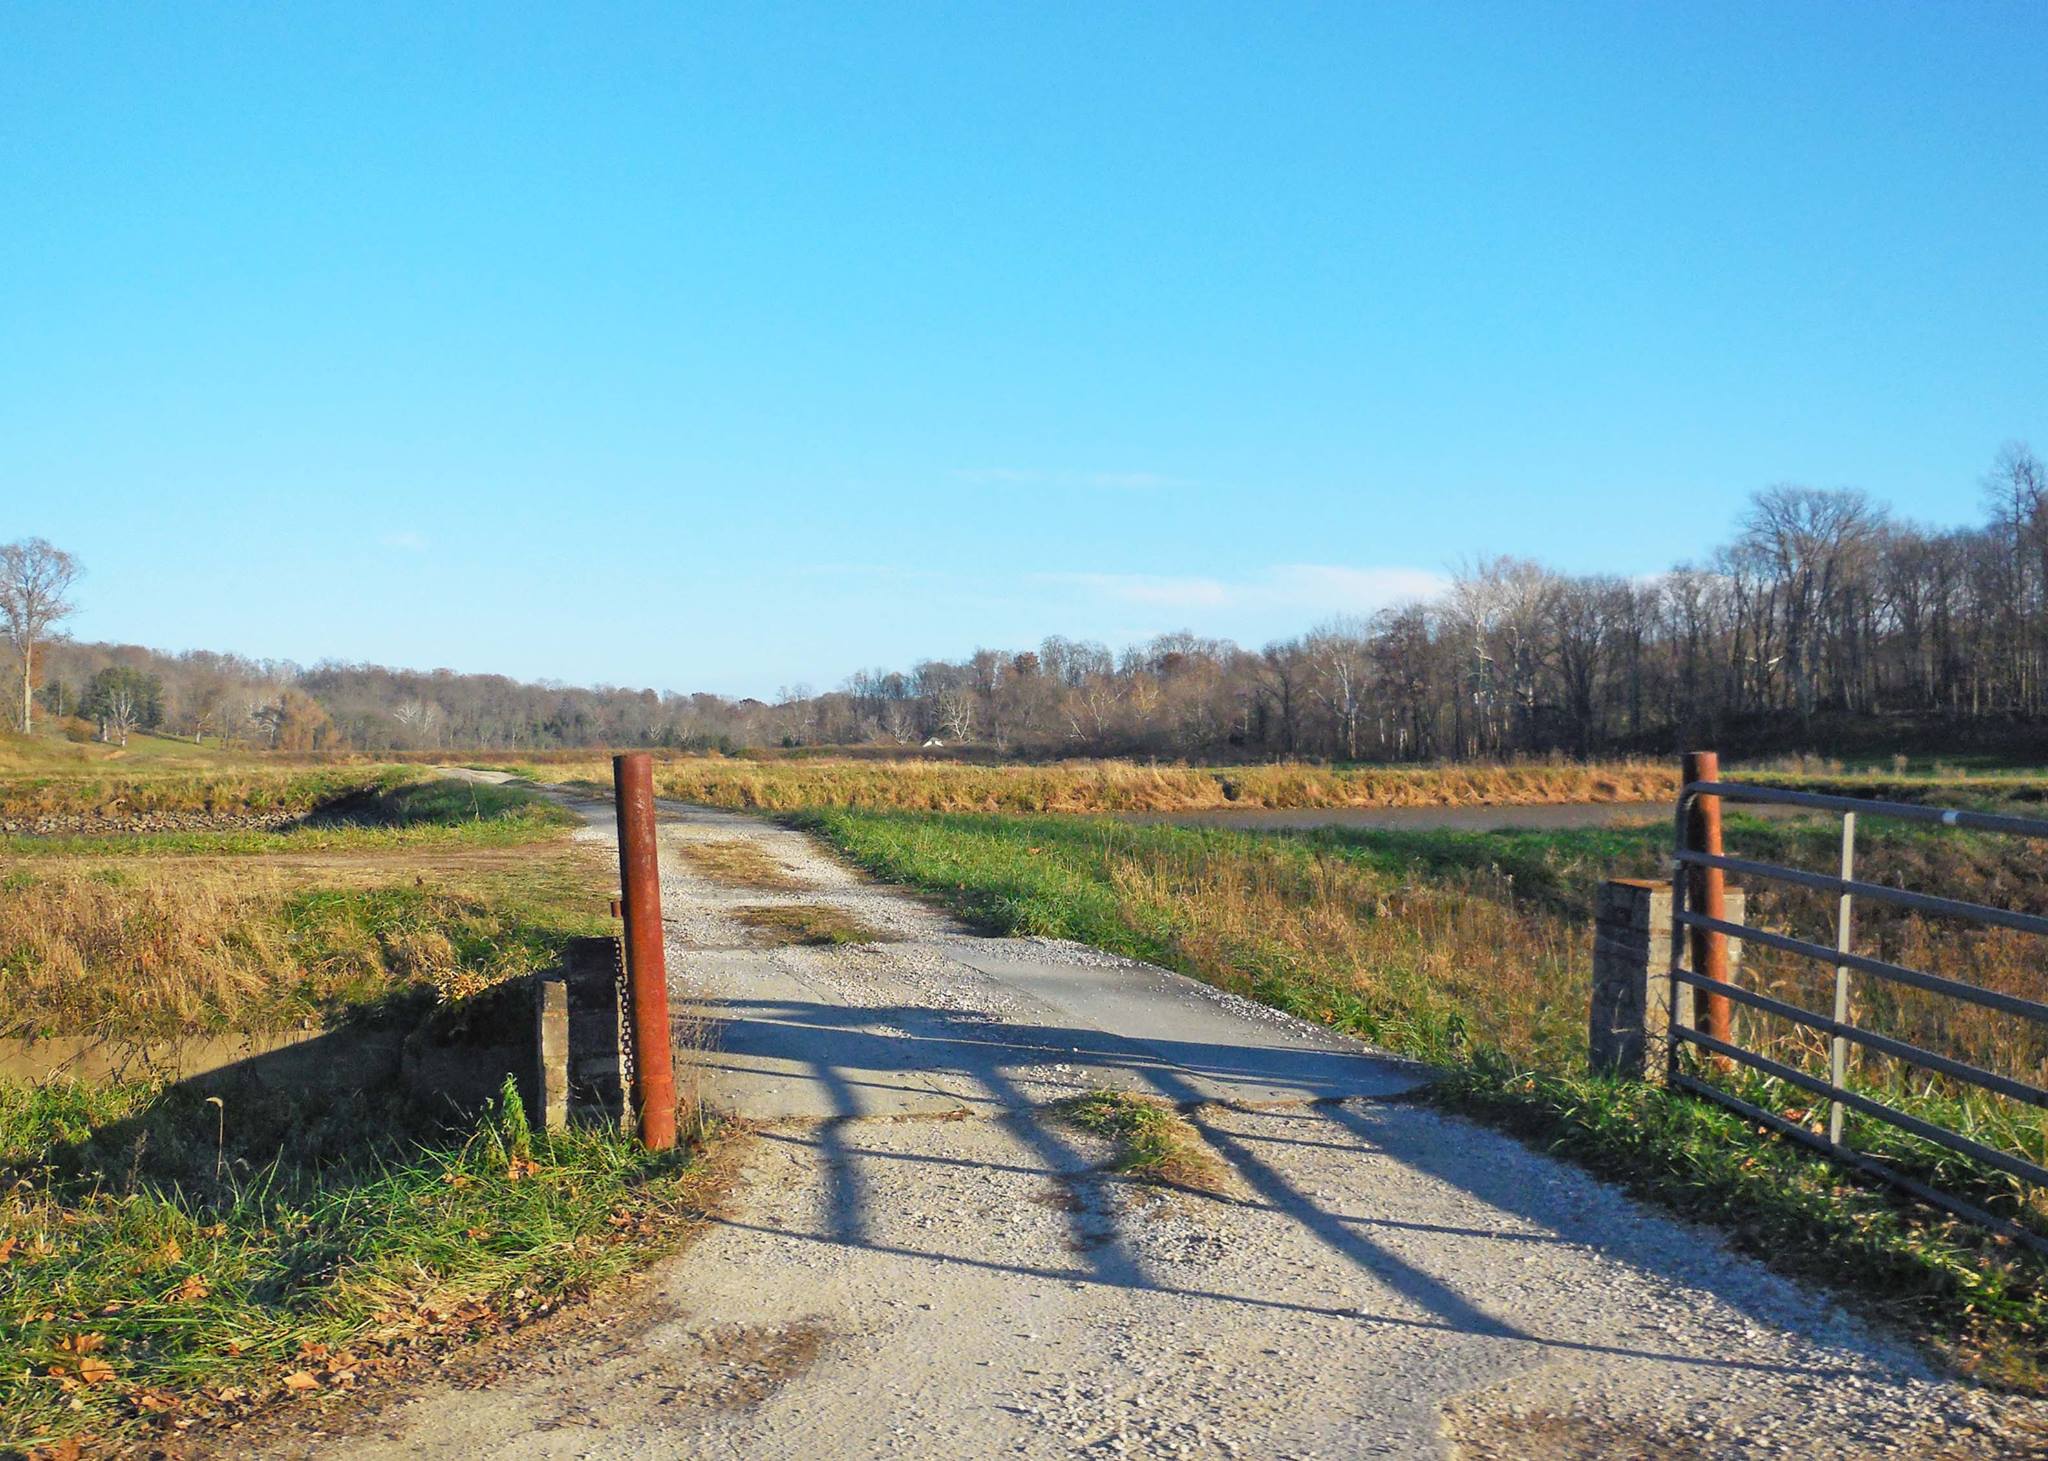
917, 1260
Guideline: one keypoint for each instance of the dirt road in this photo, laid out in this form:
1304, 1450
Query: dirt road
918, 1262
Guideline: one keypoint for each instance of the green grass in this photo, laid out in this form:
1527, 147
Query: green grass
164, 1261
1472, 951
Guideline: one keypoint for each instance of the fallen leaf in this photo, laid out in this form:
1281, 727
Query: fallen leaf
94, 1371
6, 1249
172, 1252
190, 1291
300, 1380
81, 1343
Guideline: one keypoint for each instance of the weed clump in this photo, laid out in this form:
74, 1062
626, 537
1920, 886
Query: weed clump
1154, 1141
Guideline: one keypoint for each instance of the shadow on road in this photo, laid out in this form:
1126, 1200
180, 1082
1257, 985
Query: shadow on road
856, 1054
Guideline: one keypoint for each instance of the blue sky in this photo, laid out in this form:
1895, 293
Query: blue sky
727, 347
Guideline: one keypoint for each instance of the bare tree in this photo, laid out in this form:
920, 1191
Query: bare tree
34, 577
420, 717
1817, 544
956, 711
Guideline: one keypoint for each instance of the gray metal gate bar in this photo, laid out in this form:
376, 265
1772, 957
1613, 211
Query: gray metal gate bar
1838, 1027
1884, 1044
1927, 1130
2011, 1004
1903, 897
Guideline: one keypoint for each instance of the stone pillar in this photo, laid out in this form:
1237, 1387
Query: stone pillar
1633, 991
551, 1052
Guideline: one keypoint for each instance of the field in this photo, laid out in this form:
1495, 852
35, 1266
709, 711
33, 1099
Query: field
180, 1253
1473, 951
167, 1256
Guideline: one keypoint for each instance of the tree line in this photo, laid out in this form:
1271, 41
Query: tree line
1825, 622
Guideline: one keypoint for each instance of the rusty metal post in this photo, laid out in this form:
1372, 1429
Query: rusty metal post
654, 1083
1708, 892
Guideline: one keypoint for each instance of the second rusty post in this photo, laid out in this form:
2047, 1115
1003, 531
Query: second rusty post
1707, 893
654, 1083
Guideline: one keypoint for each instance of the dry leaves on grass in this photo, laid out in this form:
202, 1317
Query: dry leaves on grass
90, 1370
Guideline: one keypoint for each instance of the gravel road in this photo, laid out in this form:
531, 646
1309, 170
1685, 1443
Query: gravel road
917, 1261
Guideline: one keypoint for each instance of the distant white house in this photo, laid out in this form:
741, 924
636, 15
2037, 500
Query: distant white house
935, 741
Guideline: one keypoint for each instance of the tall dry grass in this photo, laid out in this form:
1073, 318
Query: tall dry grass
1118, 786
141, 949
79, 947
1438, 957
97, 790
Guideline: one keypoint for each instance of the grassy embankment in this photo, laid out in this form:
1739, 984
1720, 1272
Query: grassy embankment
114, 793
1473, 951
181, 1254
1113, 786
1116, 786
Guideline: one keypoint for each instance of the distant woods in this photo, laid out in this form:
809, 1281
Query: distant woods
1824, 623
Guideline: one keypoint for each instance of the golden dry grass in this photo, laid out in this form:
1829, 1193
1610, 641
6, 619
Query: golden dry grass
805, 923
1118, 786
1351, 930
134, 947
737, 864
111, 791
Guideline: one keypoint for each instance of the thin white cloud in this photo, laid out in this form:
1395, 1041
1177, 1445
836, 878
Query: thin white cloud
1103, 481
1302, 588
1135, 481
1160, 591
404, 542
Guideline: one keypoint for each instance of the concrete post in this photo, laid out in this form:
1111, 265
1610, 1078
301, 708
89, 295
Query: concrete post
1632, 987
551, 1052
597, 1034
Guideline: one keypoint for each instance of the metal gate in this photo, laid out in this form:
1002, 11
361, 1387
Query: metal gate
1697, 916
